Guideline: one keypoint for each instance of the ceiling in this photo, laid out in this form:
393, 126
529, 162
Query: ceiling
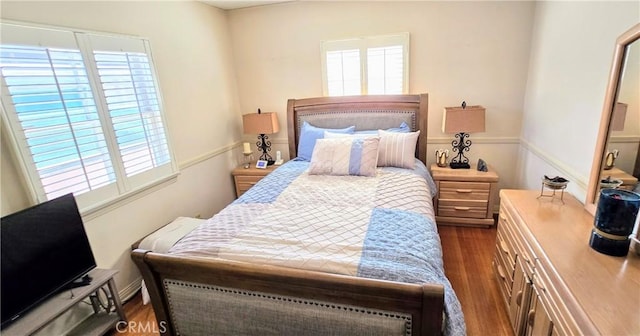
235, 4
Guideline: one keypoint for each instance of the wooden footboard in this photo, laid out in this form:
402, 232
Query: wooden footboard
418, 307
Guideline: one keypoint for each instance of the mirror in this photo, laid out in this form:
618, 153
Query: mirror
617, 157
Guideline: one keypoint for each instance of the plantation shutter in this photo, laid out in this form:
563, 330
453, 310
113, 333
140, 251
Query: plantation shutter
130, 91
385, 67
55, 111
368, 65
84, 111
343, 72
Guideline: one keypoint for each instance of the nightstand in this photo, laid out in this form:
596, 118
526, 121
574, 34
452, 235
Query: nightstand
628, 181
465, 196
245, 178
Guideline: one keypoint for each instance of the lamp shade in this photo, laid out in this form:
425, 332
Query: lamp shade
260, 123
618, 116
463, 120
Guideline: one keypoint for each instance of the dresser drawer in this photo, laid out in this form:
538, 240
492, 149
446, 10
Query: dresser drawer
244, 182
503, 282
462, 208
508, 245
464, 190
515, 236
506, 255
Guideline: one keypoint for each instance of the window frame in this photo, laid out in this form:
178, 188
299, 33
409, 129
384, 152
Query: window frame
124, 186
362, 44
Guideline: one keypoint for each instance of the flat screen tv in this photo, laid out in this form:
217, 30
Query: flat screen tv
44, 249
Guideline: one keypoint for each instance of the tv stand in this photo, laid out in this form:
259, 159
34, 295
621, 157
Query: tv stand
90, 287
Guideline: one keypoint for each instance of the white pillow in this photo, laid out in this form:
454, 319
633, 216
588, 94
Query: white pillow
345, 156
333, 135
397, 149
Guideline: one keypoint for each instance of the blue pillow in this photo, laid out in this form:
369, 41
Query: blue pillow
309, 134
403, 128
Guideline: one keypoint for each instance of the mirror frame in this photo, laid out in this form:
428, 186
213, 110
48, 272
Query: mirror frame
622, 42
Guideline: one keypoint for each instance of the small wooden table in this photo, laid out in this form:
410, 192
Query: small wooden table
465, 196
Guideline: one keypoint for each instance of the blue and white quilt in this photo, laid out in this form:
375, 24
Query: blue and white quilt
378, 227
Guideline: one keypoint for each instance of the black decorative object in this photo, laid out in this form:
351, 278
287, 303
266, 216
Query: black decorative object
554, 183
460, 145
264, 145
482, 166
614, 220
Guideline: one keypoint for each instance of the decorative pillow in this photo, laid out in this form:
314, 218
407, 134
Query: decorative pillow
331, 135
345, 156
403, 128
308, 136
397, 149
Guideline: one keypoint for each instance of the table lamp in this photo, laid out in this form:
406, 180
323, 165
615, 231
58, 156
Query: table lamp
462, 121
262, 124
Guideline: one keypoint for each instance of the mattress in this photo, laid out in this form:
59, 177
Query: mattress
380, 227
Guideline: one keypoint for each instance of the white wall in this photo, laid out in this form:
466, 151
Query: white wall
473, 51
192, 53
571, 55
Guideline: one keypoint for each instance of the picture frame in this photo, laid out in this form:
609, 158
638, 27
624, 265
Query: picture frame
261, 164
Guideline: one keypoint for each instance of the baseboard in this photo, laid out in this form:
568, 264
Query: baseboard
130, 290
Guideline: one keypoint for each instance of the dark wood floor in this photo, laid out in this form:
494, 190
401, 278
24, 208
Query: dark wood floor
467, 254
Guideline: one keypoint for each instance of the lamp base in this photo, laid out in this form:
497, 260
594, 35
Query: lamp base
459, 165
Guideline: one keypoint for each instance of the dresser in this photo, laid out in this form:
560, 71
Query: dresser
465, 196
551, 281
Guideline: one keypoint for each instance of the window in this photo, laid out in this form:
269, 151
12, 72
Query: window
84, 111
369, 65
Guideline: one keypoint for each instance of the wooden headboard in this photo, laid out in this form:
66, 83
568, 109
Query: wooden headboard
363, 112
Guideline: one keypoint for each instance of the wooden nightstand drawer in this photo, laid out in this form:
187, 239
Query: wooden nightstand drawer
464, 190
462, 208
245, 178
243, 183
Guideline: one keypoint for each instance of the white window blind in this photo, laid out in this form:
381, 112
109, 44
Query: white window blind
369, 65
343, 72
385, 70
129, 90
86, 118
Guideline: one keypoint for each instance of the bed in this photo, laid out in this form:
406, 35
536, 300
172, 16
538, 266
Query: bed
316, 254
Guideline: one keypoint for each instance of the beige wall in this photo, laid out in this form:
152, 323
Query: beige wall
571, 55
473, 51
626, 141
192, 54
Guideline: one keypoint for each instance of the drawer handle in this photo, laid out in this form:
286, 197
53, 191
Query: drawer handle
542, 288
519, 298
531, 316
503, 247
464, 191
501, 272
252, 183
461, 208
